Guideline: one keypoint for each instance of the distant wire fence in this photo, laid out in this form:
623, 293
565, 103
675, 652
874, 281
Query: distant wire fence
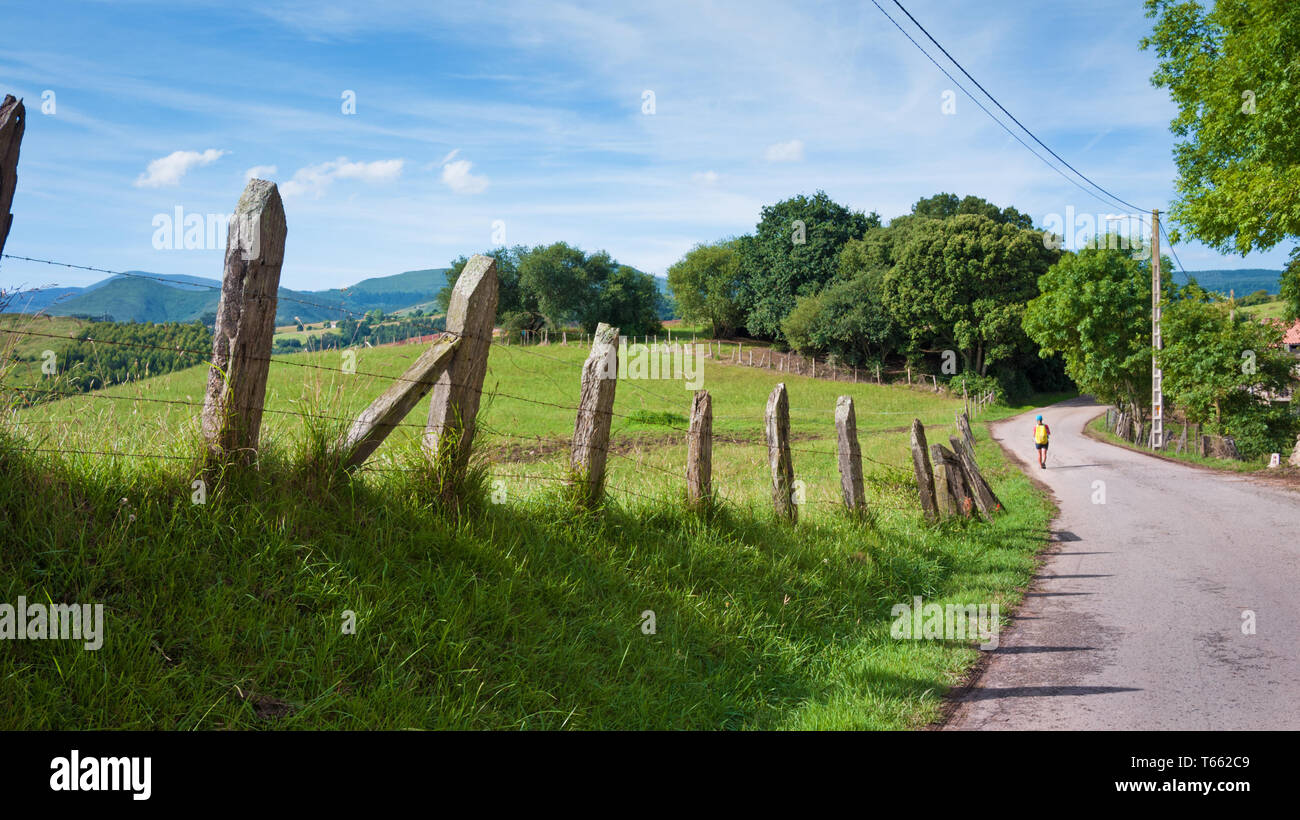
453, 365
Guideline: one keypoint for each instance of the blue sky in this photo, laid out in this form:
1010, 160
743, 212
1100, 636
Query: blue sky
530, 115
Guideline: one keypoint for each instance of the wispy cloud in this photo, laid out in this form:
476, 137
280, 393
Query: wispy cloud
456, 175
260, 172
317, 179
791, 151
168, 170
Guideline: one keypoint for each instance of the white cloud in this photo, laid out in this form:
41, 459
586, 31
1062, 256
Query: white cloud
260, 172
316, 179
168, 170
456, 175
705, 178
791, 151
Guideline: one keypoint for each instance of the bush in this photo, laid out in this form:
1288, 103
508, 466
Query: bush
1263, 430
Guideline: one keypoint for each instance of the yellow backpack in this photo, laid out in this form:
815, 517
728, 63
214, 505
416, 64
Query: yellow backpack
1040, 434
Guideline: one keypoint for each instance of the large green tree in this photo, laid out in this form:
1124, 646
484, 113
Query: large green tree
942, 206
1289, 291
1224, 373
962, 283
1233, 73
706, 287
793, 252
560, 285
1094, 310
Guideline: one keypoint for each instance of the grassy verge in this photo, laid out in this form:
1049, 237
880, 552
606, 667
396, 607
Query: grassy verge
1097, 429
518, 614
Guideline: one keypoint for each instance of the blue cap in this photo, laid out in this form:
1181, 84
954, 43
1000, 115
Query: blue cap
1040, 418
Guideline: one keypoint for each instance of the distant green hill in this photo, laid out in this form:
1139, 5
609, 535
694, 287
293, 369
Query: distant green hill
1243, 281
138, 300
187, 298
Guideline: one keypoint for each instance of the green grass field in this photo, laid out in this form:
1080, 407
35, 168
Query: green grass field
1266, 310
24, 350
516, 612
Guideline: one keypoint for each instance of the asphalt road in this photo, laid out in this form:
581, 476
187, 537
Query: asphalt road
1135, 619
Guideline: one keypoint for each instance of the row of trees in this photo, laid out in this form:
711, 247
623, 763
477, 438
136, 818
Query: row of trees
561, 286
372, 327
954, 274
127, 351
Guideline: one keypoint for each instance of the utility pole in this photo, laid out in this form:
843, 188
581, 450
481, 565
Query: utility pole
1157, 391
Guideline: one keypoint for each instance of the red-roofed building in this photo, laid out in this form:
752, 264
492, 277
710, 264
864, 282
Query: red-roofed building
1291, 341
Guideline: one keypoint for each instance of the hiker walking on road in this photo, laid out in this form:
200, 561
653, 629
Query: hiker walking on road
1042, 433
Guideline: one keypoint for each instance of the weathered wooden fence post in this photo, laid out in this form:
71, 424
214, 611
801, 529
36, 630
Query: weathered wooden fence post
963, 425
13, 122
595, 412
241, 343
924, 472
384, 413
981, 492
453, 409
950, 482
699, 450
850, 456
777, 428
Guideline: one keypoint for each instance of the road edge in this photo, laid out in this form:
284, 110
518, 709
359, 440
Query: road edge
954, 697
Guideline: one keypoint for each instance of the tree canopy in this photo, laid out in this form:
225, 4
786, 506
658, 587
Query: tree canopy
1233, 73
962, 283
1094, 311
793, 252
706, 285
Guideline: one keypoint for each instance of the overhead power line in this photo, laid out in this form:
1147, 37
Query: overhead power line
1004, 110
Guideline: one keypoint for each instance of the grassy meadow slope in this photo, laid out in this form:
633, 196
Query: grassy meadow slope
517, 614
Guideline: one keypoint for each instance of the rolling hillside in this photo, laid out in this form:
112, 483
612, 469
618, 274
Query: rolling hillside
187, 298
517, 613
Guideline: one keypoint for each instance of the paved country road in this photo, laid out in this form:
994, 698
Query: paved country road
1134, 620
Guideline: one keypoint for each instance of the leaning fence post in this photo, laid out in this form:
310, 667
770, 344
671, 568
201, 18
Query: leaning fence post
981, 492
850, 456
453, 408
384, 413
595, 412
924, 472
963, 425
241, 343
777, 428
13, 122
954, 495
699, 450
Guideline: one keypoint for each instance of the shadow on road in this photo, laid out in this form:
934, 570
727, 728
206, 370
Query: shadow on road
1045, 691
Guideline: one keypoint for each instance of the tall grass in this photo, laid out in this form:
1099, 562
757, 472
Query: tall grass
513, 609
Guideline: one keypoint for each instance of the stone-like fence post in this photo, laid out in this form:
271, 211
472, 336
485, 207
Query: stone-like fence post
595, 413
384, 413
850, 456
241, 343
982, 494
924, 472
777, 429
699, 450
13, 122
453, 409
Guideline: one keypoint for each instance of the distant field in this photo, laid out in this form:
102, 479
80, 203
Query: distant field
26, 351
1266, 310
521, 613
